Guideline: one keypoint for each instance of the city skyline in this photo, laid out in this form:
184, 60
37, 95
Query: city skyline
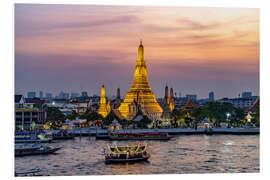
188, 49
80, 94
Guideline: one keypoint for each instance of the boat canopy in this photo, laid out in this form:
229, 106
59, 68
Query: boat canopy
125, 149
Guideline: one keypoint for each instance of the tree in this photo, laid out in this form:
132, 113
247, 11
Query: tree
73, 115
256, 117
55, 118
109, 118
238, 116
177, 116
144, 122
91, 116
198, 116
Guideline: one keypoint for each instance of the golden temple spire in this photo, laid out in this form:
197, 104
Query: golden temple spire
140, 91
141, 52
103, 106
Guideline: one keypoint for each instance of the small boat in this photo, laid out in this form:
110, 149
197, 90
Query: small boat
140, 136
34, 149
120, 154
32, 137
63, 134
31, 172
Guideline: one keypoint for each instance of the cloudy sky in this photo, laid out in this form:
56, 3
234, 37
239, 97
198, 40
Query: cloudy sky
72, 48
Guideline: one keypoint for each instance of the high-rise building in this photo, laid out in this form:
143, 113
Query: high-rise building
74, 95
140, 97
49, 96
84, 94
246, 94
211, 96
41, 94
193, 97
63, 95
31, 94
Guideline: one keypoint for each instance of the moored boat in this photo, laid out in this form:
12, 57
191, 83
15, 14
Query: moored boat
34, 149
140, 136
32, 137
119, 154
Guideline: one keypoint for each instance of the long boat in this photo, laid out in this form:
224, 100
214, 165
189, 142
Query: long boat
31, 172
140, 136
32, 137
34, 149
119, 154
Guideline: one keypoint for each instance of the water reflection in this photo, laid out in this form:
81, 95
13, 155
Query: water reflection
182, 154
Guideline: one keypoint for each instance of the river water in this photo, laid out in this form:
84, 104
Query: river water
181, 155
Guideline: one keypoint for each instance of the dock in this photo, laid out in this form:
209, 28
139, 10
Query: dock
174, 131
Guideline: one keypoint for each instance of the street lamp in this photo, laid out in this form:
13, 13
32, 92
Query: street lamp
249, 117
228, 116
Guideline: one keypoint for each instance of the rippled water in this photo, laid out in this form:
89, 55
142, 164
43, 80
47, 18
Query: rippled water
182, 154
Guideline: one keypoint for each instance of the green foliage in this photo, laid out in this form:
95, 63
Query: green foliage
256, 117
109, 119
214, 111
90, 116
55, 117
143, 124
125, 122
73, 115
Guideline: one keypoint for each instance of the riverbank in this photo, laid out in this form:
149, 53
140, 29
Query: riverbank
175, 131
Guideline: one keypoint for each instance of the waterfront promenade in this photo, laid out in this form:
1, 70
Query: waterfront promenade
174, 131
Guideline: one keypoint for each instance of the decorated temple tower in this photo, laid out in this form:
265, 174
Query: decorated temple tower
103, 106
140, 87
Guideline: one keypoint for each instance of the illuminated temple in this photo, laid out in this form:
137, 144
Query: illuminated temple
140, 94
103, 106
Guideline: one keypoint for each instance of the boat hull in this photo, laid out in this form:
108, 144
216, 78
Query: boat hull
33, 141
38, 152
114, 160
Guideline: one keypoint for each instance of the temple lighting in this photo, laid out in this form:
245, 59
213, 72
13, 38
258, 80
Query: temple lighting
140, 92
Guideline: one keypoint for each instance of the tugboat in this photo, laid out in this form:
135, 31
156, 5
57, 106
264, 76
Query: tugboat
34, 149
140, 136
32, 137
120, 154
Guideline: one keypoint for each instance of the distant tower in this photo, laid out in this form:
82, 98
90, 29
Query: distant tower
171, 100
166, 94
118, 99
118, 94
211, 96
41, 94
103, 106
171, 93
84, 94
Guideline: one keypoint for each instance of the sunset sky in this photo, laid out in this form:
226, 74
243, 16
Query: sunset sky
72, 48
